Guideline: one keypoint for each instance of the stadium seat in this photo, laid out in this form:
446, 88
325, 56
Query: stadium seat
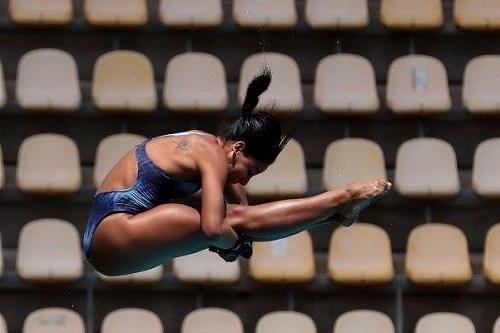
131, 320
47, 80
286, 260
116, 13
41, 13
53, 319
286, 177
49, 251
496, 328
345, 84
437, 254
426, 168
3, 325
337, 14
195, 82
124, 82
350, 160
275, 14
360, 255
150, 276
477, 14
212, 320
491, 259
362, 321
481, 91
411, 14
206, 268
418, 84
285, 322
192, 14
485, 175
2, 171
110, 150
444, 322
49, 164
285, 91
3, 93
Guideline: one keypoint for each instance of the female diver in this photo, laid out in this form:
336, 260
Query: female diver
133, 227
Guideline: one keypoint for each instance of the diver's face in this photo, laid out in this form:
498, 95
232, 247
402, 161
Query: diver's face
244, 167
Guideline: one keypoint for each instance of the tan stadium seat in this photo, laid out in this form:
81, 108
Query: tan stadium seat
360, 255
350, 160
3, 93
147, 277
285, 322
437, 254
496, 328
337, 14
485, 175
3, 325
215, 320
48, 163
418, 84
481, 91
49, 251
205, 267
412, 14
491, 259
35, 12
110, 150
116, 13
195, 82
345, 84
2, 171
53, 320
286, 260
427, 168
47, 80
191, 14
444, 322
286, 177
268, 14
362, 321
285, 91
131, 320
477, 14
124, 81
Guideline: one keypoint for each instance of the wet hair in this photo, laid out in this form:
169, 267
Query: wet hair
260, 130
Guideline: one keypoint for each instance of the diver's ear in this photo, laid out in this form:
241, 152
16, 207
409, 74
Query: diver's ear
239, 146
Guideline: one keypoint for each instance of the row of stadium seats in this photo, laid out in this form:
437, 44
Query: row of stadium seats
123, 81
437, 254
276, 14
425, 167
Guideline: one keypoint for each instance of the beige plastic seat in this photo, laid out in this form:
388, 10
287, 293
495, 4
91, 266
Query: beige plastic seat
477, 14
110, 150
412, 14
212, 320
150, 276
360, 255
427, 168
345, 84
48, 163
3, 93
116, 13
47, 80
491, 259
285, 91
195, 14
418, 84
350, 160
131, 320
286, 177
285, 322
269, 14
2, 171
49, 251
444, 322
35, 12
485, 175
337, 14
362, 321
195, 82
437, 254
205, 267
496, 328
124, 81
481, 91
3, 325
53, 320
286, 260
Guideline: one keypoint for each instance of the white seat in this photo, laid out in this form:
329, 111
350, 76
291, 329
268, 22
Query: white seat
337, 14
496, 328
3, 93
362, 321
35, 12
411, 14
477, 14
197, 14
131, 320
268, 14
212, 320
150, 276
481, 91
285, 322
485, 175
444, 322
3, 325
52, 320
116, 13
491, 259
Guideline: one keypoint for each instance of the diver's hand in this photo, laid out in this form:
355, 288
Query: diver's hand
367, 189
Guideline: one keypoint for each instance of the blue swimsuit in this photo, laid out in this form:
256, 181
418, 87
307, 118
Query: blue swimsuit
152, 187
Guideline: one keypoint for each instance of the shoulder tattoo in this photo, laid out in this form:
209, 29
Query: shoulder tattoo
184, 144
